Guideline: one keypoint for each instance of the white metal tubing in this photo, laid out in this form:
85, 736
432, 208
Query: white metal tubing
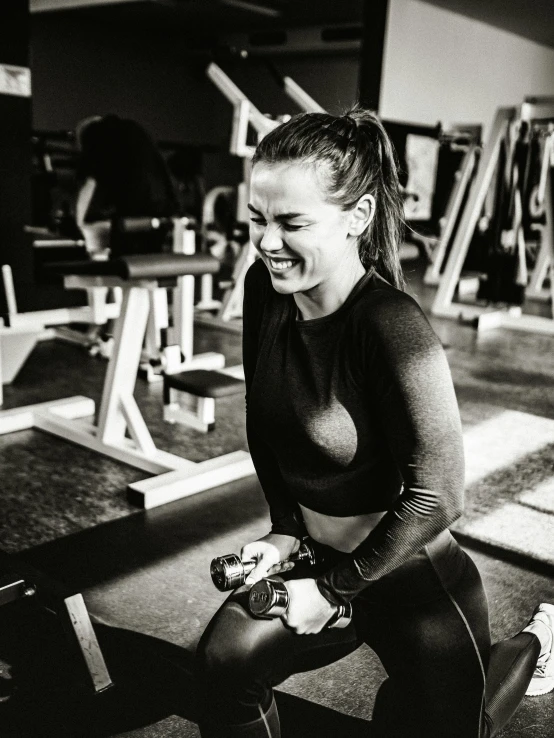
122, 367
23, 418
239, 131
539, 110
77, 623
9, 290
235, 96
62, 243
472, 211
301, 98
183, 297
549, 228
136, 425
432, 275
200, 477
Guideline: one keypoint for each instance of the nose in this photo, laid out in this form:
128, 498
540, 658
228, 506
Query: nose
271, 240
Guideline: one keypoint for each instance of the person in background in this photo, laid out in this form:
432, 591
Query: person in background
122, 174
355, 433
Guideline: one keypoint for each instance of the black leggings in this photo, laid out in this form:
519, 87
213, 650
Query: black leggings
428, 623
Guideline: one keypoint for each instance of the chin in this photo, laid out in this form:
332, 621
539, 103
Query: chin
284, 287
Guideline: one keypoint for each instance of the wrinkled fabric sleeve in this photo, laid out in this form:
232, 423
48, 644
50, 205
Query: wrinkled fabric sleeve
411, 390
285, 514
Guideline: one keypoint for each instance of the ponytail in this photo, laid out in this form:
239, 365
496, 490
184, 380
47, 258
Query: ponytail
376, 168
361, 160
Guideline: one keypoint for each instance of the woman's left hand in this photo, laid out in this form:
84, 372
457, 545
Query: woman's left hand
308, 611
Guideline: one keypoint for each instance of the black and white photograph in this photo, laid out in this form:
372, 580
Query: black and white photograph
276, 369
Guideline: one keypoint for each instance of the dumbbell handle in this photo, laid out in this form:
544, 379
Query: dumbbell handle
269, 598
229, 572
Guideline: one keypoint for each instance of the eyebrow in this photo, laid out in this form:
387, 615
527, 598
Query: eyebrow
281, 216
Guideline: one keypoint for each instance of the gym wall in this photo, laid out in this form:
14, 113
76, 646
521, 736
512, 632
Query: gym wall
441, 66
81, 69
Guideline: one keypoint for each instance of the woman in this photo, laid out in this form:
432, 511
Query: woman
355, 433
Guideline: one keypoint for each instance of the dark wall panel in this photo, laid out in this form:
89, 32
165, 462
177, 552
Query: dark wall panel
15, 154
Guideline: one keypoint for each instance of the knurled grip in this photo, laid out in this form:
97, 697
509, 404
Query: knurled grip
229, 572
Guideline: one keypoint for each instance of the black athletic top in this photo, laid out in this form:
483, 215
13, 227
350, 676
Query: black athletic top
352, 413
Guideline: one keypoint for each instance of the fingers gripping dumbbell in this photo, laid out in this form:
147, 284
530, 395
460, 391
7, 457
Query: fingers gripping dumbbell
229, 572
269, 598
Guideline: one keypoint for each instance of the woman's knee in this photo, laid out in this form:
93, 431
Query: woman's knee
224, 644
236, 644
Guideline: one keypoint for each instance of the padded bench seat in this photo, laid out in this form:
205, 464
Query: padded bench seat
189, 396
140, 266
204, 383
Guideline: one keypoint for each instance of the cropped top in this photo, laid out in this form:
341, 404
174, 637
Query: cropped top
352, 413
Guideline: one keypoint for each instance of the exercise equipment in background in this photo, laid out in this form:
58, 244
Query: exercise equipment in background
246, 117
20, 582
506, 230
20, 332
119, 430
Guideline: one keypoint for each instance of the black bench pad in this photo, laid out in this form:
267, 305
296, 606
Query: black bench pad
141, 266
204, 383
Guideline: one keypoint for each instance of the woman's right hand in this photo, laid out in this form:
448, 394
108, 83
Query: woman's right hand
270, 554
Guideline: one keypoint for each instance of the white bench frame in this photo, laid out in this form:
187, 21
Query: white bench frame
119, 413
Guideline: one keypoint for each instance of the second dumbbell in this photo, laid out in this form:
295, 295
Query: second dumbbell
269, 598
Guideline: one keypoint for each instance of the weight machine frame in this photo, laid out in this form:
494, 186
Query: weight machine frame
483, 317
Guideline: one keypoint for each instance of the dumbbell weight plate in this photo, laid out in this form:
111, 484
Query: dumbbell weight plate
269, 598
229, 572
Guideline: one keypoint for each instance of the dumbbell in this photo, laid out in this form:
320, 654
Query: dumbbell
269, 598
229, 572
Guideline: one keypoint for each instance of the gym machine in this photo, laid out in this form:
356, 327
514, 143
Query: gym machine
245, 116
542, 224
20, 332
498, 208
470, 145
21, 582
119, 430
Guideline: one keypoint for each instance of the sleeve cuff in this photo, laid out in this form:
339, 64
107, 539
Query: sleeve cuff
342, 583
289, 526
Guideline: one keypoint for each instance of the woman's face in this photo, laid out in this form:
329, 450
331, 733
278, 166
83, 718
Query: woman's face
303, 238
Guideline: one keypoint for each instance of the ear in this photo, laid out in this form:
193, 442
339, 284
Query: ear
361, 215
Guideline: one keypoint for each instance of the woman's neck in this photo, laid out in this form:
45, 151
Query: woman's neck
328, 296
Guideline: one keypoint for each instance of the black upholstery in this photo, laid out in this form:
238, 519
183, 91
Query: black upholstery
204, 383
141, 266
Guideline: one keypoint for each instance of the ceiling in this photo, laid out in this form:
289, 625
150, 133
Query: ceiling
532, 19
212, 16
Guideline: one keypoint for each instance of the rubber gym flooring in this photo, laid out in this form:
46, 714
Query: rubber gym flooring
144, 574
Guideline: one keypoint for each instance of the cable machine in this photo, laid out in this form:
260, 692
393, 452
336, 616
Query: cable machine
508, 222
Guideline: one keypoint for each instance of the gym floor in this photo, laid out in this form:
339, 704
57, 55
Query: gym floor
144, 574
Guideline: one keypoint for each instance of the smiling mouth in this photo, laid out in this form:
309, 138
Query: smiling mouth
282, 265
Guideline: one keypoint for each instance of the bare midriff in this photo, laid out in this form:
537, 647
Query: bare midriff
342, 534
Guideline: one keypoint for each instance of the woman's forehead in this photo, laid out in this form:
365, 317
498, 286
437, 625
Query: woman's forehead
297, 181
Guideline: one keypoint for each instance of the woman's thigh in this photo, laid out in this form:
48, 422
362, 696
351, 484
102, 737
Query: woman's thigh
240, 658
435, 652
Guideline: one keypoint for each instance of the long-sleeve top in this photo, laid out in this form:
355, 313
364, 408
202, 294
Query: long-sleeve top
352, 413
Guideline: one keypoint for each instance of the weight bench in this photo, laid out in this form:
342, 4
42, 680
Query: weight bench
19, 581
120, 431
189, 397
